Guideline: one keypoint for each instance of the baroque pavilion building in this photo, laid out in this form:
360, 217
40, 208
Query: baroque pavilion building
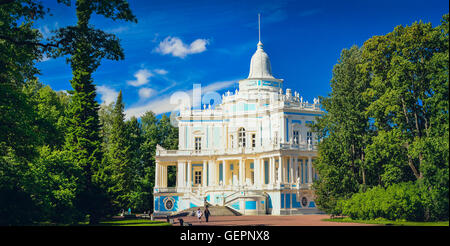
253, 153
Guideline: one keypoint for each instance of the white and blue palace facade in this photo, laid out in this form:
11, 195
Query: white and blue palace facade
253, 153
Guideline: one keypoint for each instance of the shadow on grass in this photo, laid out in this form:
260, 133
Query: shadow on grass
138, 222
388, 222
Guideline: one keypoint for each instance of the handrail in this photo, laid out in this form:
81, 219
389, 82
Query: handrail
209, 152
196, 200
236, 195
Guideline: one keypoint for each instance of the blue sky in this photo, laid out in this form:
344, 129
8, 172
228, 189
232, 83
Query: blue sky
176, 44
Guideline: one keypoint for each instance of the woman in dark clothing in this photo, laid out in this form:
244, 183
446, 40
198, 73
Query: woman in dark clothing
207, 213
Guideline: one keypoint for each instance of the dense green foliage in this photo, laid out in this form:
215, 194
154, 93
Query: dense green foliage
61, 160
402, 201
381, 221
129, 147
384, 138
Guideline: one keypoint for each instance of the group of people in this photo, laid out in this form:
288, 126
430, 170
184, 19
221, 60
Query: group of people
200, 214
122, 212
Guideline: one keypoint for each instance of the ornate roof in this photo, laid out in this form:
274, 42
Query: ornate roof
260, 65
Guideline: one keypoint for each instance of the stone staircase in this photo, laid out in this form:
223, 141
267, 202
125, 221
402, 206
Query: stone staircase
214, 210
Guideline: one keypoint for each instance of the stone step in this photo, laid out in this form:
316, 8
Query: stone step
214, 210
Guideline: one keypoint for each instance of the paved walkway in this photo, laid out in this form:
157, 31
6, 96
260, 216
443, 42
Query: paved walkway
268, 220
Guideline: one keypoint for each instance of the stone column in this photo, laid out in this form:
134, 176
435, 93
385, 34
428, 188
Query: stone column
211, 173
291, 170
241, 172
179, 174
272, 170
189, 173
204, 174
262, 173
214, 172
161, 175
280, 169
157, 174
295, 169
256, 170
164, 176
310, 180
224, 173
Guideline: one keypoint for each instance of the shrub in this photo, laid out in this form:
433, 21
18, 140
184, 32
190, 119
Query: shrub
402, 201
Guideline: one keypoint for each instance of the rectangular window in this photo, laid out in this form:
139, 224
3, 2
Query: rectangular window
309, 137
221, 172
253, 140
198, 143
266, 172
198, 177
296, 137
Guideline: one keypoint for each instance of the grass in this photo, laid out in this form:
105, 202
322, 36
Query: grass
112, 222
389, 222
133, 222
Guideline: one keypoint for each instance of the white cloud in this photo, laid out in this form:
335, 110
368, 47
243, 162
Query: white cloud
45, 31
142, 77
309, 12
118, 29
145, 93
176, 47
276, 16
64, 91
108, 95
163, 104
160, 71
44, 58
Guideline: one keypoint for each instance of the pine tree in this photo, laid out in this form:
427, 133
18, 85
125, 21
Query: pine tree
139, 198
119, 158
86, 47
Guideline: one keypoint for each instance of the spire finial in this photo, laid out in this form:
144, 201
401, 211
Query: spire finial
259, 27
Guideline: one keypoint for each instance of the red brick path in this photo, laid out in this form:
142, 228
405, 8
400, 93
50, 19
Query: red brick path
268, 220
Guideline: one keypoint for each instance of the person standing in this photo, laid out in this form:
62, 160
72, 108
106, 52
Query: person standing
207, 213
199, 215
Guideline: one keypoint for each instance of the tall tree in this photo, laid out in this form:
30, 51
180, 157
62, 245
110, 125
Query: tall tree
344, 132
18, 136
120, 159
18, 55
86, 47
400, 88
390, 101
148, 147
139, 199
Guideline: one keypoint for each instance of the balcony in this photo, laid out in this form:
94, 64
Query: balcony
165, 190
235, 151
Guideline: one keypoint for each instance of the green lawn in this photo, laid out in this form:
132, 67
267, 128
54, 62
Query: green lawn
124, 222
389, 222
134, 222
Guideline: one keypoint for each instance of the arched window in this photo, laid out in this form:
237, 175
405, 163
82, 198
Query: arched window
241, 137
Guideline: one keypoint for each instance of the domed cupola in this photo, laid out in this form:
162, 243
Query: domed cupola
260, 76
260, 64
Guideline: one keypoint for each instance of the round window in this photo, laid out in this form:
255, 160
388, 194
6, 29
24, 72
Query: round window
304, 201
168, 203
